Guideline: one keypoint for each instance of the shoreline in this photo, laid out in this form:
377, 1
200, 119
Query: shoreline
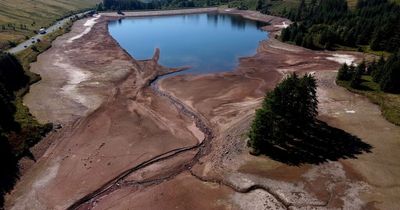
130, 108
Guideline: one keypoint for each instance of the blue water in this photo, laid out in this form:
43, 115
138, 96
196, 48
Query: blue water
205, 42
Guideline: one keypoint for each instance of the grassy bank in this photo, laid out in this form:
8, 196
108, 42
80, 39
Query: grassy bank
20, 18
389, 103
19, 129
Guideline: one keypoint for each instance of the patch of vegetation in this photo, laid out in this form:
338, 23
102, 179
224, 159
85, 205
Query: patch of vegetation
20, 18
371, 26
285, 128
379, 81
12, 78
19, 130
329, 23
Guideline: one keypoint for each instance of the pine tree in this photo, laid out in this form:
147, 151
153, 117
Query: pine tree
300, 10
344, 73
378, 71
262, 6
371, 68
390, 81
356, 78
292, 105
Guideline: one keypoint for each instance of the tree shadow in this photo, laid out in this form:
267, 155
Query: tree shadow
317, 144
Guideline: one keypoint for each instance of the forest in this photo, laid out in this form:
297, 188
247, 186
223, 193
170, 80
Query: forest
331, 24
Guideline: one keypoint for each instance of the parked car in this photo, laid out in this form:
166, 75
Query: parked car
42, 31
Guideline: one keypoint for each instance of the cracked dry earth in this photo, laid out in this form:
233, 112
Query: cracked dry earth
132, 142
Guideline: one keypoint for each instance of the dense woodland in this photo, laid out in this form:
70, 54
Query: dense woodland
327, 24
330, 24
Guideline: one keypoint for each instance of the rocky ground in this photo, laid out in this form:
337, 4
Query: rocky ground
180, 143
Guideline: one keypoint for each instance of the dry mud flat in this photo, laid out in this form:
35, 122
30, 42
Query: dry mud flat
180, 144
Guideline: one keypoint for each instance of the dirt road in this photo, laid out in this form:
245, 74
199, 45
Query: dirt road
180, 143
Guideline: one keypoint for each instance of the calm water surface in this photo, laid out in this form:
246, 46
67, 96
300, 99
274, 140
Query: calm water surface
205, 42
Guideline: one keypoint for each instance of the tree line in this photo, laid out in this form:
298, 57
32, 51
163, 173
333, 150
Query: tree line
156, 4
385, 72
329, 23
12, 78
15, 139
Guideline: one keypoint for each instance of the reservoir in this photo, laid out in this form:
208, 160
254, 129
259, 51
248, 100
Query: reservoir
205, 42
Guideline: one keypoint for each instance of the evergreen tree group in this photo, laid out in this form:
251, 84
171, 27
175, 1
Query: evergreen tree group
285, 112
327, 23
384, 72
263, 6
12, 78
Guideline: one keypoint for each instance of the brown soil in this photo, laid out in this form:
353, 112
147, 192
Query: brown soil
181, 143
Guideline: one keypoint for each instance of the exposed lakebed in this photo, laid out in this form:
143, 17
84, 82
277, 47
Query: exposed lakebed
205, 42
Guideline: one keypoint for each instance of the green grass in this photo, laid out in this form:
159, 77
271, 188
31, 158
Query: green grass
389, 103
33, 14
364, 48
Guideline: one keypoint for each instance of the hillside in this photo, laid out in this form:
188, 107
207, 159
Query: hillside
19, 18
279, 7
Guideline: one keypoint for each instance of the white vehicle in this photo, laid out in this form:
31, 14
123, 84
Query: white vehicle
42, 31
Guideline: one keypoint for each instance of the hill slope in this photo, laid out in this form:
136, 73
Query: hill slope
19, 18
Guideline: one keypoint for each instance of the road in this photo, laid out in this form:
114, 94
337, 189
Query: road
29, 42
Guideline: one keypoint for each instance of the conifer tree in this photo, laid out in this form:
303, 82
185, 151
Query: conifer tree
292, 105
344, 73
